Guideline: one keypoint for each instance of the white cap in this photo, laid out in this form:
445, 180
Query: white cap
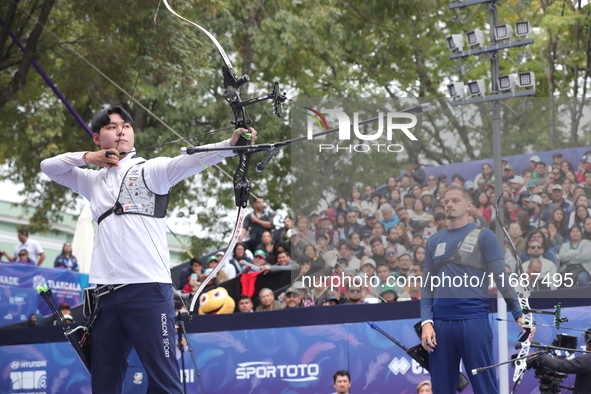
535, 158
517, 179
535, 198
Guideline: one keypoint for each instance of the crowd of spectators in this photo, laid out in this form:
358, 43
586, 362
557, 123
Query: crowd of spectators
375, 237
30, 252
380, 233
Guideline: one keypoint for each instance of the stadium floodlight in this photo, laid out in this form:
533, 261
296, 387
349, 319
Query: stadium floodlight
522, 29
506, 82
475, 38
456, 90
455, 42
526, 80
503, 32
476, 88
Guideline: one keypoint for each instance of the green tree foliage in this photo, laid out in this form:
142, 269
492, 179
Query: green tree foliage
314, 48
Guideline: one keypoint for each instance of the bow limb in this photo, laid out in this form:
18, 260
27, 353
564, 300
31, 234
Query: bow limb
227, 256
528, 321
211, 37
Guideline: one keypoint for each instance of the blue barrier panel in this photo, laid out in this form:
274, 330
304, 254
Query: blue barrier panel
18, 293
298, 359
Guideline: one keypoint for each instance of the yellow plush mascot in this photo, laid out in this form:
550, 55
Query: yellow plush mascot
216, 302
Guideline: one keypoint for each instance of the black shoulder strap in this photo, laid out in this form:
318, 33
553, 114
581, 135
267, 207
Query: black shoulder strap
455, 254
117, 206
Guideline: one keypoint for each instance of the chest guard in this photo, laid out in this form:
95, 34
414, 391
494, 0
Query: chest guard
135, 197
468, 252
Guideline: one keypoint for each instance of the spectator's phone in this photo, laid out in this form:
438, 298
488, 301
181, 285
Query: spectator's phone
193, 276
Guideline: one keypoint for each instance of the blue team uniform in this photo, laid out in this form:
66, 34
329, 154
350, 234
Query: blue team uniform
460, 313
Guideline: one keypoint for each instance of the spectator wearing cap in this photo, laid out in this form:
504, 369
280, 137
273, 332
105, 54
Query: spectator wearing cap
469, 186
558, 199
268, 302
33, 248
324, 228
258, 261
330, 301
508, 172
535, 249
351, 225
256, 222
386, 281
345, 250
407, 201
540, 173
486, 174
557, 159
228, 269
532, 186
292, 299
390, 218
370, 220
584, 165
537, 217
533, 161
65, 308
416, 172
517, 184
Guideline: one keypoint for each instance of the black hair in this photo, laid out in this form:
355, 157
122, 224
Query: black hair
195, 260
101, 119
341, 372
244, 297
23, 231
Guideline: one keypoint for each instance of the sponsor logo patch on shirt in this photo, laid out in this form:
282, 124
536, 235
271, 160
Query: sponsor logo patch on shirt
440, 249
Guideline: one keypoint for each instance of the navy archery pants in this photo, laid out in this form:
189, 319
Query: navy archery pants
469, 340
142, 316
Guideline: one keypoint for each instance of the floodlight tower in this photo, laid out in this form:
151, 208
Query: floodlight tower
501, 38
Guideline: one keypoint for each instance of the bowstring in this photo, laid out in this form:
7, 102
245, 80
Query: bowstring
63, 43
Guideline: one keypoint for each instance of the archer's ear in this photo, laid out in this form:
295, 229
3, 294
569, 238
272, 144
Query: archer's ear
96, 139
